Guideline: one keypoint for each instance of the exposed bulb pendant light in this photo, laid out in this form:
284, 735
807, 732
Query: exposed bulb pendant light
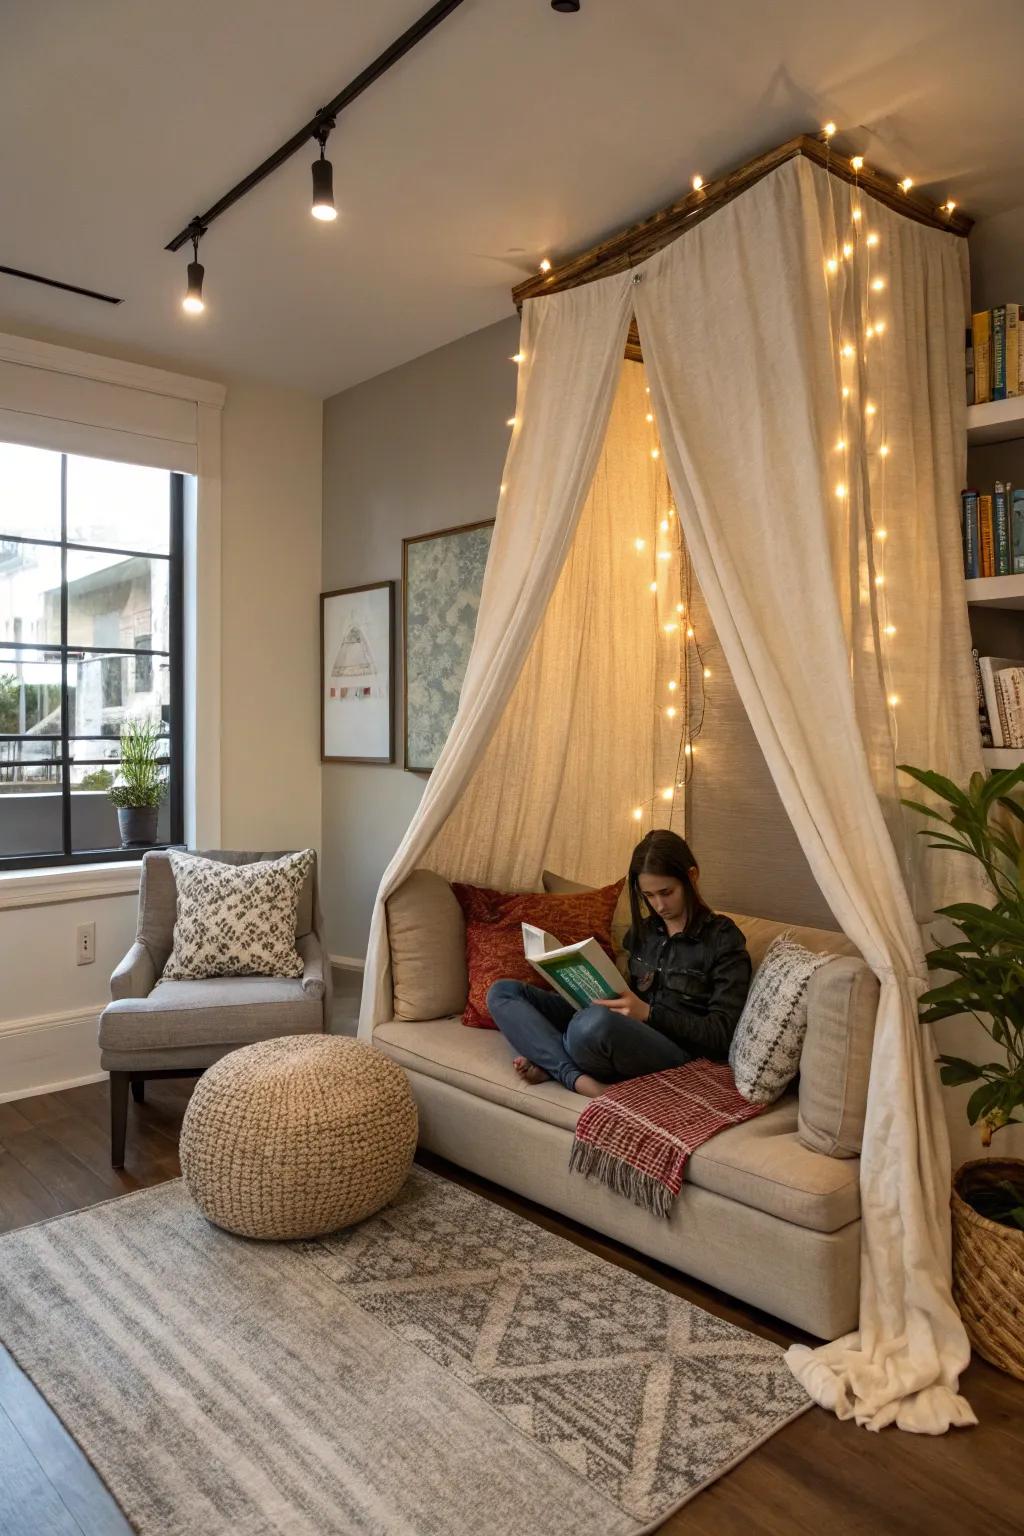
193, 303
323, 178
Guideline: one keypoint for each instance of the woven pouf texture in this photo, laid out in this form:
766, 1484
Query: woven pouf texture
298, 1136
988, 1267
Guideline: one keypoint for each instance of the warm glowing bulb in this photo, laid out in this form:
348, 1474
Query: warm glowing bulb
671, 712
511, 421
192, 305
846, 391
890, 629
638, 814
689, 633
829, 130
894, 699
879, 581
518, 357
664, 554
680, 607
697, 183
664, 525
878, 283
856, 215
949, 205
906, 183
654, 586
655, 453
848, 350
649, 416
832, 265
670, 629
881, 533
884, 450
879, 327
707, 671
847, 250
667, 794
872, 238
840, 445
687, 750
502, 488
673, 685
545, 266
869, 331
841, 489
857, 162
870, 409
639, 544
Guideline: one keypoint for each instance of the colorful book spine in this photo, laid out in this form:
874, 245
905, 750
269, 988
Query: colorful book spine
1013, 349
1001, 528
986, 538
981, 325
999, 352
969, 528
1017, 530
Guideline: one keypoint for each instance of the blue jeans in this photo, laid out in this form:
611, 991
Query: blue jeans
564, 1041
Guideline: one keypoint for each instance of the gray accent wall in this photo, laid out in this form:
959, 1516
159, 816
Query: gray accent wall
420, 449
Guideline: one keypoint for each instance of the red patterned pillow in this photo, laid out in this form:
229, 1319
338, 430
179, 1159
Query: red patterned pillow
494, 937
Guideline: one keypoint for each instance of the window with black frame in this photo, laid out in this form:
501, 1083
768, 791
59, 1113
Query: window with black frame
90, 640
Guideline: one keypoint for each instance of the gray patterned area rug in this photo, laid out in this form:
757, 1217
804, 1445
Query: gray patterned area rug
447, 1368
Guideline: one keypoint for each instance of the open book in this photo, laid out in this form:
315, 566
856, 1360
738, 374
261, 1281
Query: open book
580, 972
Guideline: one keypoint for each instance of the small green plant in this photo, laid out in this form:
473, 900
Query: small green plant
142, 780
985, 822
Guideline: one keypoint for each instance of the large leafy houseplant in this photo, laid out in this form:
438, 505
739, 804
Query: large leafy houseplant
986, 822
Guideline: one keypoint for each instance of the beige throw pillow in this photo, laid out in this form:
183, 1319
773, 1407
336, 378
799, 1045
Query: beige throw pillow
236, 920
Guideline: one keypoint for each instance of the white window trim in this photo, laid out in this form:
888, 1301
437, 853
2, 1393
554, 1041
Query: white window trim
36, 887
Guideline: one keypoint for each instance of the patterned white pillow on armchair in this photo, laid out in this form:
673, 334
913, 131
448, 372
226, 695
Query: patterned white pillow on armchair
236, 919
765, 1050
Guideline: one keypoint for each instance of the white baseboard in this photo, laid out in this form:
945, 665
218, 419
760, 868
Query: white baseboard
49, 1052
348, 962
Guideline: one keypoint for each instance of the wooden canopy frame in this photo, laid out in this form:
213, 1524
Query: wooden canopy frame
639, 241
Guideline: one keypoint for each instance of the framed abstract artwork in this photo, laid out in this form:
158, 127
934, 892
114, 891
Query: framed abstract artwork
357, 687
442, 574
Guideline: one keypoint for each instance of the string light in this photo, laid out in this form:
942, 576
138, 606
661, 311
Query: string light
518, 357
664, 525
707, 671
668, 794
856, 215
655, 453
690, 633
890, 629
638, 814
511, 421
672, 685
680, 607
654, 586
878, 283
883, 450
869, 331
879, 327
697, 183
671, 712
639, 545
664, 554
872, 239
870, 409
829, 130
894, 699
848, 350
906, 184
847, 250
650, 416
545, 265
857, 162
948, 206
879, 580
846, 391
840, 445
881, 533
832, 265
687, 750
670, 629
841, 489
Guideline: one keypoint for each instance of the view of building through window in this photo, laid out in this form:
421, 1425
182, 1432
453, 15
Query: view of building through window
89, 589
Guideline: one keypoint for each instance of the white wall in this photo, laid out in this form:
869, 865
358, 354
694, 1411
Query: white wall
270, 753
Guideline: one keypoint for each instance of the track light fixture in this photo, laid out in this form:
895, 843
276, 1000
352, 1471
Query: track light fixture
193, 303
323, 177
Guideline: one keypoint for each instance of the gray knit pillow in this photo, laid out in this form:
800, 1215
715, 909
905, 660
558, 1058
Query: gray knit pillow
765, 1050
236, 919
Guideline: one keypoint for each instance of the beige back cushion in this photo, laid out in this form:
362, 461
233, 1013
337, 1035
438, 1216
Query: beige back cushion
842, 1000
427, 938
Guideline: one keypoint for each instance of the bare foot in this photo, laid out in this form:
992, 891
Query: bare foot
528, 1072
590, 1087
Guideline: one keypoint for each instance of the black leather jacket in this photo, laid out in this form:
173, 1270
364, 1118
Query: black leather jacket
696, 982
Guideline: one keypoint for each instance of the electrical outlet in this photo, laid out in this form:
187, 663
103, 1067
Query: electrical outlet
85, 943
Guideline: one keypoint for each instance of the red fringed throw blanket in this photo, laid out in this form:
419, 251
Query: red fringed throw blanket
638, 1136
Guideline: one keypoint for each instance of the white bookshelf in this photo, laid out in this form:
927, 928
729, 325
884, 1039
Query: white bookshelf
997, 421
995, 591
1003, 757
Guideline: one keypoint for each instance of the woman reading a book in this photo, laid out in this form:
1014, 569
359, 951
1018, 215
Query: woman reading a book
689, 972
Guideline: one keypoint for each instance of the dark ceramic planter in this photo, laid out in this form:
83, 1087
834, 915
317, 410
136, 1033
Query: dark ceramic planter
137, 825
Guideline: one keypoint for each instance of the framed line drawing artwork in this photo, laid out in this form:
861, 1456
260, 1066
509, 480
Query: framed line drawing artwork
357, 675
442, 574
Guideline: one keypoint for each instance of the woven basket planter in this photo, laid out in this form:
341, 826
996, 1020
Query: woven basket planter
988, 1267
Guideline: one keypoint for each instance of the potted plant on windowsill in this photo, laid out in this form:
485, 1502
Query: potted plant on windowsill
986, 822
140, 787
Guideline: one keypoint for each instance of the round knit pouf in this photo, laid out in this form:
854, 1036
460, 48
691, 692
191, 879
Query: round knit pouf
298, 1136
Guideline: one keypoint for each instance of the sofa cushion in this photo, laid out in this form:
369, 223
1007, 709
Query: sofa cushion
760, 931
236, 920
762, 1164
494, 939
765, 1051
842, 1001
229, 1010
427, 939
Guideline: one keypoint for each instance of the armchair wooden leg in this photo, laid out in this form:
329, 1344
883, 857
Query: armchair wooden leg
138, 1089
118, 1116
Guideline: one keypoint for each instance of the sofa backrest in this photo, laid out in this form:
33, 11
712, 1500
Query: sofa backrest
158, 898
427, 939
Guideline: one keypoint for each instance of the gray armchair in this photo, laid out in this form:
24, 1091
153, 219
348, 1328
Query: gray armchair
180, 1028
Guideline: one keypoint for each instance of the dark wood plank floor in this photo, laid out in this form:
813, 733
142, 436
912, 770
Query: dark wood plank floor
815, 1476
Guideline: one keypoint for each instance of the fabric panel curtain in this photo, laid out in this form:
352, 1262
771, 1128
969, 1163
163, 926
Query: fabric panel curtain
582, 743
567, 381
744, 341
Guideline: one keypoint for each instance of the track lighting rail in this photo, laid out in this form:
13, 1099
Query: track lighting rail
312, 130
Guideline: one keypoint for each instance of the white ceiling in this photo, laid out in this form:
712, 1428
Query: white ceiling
511, 133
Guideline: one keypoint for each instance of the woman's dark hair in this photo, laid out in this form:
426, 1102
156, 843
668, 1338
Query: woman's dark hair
663, 853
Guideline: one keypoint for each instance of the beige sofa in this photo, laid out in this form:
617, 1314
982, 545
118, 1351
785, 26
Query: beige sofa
769, 1211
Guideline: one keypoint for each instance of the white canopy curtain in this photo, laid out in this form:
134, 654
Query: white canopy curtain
744, 329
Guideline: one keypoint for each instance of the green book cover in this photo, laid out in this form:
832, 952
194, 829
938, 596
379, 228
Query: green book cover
578, 977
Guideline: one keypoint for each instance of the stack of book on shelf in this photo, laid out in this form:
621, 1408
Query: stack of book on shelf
995, 356
1000, 683
993, 531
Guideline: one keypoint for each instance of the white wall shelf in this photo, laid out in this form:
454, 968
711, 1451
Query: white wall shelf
996, 591
1003, 757
997, 421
